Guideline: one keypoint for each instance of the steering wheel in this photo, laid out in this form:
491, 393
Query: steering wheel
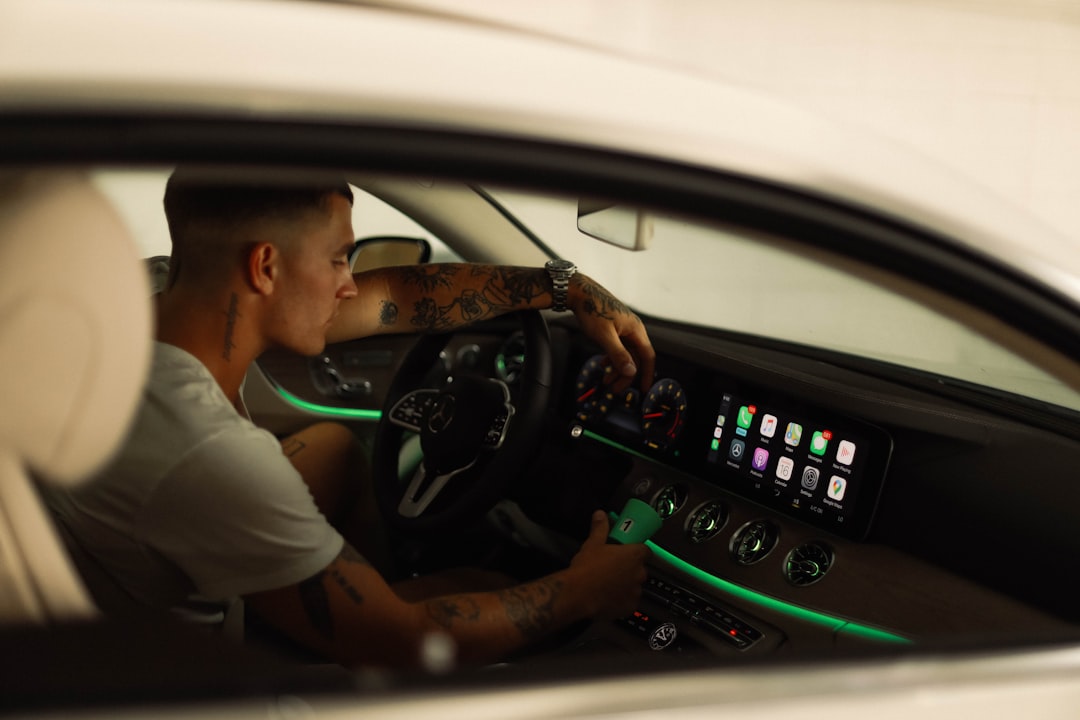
475, 440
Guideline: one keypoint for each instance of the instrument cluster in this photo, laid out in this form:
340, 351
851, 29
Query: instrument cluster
657, 419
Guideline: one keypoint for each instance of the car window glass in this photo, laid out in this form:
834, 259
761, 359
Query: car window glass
137, 196
725, 278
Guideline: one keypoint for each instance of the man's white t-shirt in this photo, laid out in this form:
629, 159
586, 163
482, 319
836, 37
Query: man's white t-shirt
199, 504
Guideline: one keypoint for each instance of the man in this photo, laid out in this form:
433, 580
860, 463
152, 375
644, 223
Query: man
201, 505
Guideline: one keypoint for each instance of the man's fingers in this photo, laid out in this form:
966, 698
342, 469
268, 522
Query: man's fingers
600, 527
647, 364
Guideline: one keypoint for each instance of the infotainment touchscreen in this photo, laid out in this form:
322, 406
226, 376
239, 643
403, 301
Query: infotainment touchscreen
817, 466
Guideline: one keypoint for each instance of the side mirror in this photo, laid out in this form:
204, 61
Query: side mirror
625, 227
388, 250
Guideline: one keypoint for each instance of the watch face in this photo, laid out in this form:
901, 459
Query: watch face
560, 265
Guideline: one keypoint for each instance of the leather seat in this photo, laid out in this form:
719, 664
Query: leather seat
75, 336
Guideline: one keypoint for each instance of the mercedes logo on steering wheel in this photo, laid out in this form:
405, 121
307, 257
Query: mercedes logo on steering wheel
442, 414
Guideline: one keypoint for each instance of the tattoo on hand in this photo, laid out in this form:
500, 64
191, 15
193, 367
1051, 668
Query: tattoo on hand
444, 611
388, 313
230, 326
600, 302
531, 607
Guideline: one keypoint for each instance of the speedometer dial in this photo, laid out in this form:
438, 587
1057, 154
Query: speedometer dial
663, 414
593, 399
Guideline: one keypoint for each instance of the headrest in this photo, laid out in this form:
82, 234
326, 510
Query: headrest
75, 324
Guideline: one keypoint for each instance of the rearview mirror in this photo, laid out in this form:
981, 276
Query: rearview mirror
625, 227
388, 250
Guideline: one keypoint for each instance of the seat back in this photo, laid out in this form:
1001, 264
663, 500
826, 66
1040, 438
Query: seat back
75, 332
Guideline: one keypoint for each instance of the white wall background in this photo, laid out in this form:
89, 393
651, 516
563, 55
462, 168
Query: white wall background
988, 87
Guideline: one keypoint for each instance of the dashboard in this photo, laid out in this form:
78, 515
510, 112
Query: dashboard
818, 466
818, 505
931, 517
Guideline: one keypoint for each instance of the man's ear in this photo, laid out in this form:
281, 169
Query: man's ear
263, 260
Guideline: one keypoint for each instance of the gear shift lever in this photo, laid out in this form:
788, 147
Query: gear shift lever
637, 522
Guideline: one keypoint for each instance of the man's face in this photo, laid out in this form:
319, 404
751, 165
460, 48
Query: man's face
315, 278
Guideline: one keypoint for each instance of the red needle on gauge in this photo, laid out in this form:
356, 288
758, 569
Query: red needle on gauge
586, 395
650, 416
671, 430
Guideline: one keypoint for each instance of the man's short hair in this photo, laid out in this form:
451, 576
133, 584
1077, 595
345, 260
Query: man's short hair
205, 209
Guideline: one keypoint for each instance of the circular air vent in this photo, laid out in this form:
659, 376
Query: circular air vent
670, 500
808, 563
754, 541
706, 521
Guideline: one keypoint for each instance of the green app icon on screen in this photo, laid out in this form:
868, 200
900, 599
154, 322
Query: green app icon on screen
819, 442
745, 417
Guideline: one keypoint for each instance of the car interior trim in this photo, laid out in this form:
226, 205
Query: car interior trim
611, 443
340, 412
779, 606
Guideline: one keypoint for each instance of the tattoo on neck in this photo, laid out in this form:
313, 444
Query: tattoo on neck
230, 326
532, 607
388, 313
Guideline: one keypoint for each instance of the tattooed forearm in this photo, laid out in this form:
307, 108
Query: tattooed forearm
315, 598
428, 277
316, 603
346, 586
350, 554
388, 313
230, 326
444, 611
510, 288
486, 291
600, 302
469, 307
531, 607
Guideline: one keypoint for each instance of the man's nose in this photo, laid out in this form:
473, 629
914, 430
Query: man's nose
348, 289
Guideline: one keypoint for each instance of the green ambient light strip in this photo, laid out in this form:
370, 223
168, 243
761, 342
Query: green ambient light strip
801, 613
346, 413
737, 591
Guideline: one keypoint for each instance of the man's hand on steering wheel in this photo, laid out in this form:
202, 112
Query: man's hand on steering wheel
620, 333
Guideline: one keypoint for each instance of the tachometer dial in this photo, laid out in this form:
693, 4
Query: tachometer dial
593, 399
663, 414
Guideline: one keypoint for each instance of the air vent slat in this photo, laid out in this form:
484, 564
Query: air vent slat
754, 541
808, 563
706, 521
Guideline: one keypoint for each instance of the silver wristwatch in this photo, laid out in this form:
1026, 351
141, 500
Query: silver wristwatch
560, 272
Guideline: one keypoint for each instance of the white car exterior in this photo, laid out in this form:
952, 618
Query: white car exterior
339, 62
